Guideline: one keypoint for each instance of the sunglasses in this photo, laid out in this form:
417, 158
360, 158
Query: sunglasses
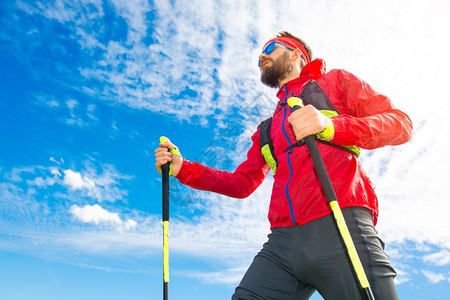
270, 47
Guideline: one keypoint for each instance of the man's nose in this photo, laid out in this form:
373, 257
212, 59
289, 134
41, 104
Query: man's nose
262, 57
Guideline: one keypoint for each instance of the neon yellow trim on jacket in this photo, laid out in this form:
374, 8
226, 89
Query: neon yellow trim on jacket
270, 160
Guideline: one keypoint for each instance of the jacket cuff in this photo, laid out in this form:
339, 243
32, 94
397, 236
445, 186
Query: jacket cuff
183, 173
328, 133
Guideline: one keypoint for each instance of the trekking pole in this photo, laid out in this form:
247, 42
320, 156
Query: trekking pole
328, 189
165, 220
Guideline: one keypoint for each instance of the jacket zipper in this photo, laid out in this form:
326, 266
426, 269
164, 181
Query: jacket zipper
288, 160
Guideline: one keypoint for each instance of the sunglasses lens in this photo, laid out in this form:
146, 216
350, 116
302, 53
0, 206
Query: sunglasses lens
269, 48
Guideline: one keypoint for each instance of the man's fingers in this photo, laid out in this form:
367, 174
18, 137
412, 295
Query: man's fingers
167, 144
162, 156
307, 121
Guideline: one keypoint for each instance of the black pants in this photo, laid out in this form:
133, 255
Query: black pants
297, 261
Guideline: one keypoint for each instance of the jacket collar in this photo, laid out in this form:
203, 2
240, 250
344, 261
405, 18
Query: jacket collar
311, 71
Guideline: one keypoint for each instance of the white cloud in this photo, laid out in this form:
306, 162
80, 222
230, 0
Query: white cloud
402, 276
71, 104
54, 171
95, 214
229, 276
441, 258
75, 181
102, 186
136, 72
434, 277
18, 173
70, 112
24, 190
129, 224
31, 221
90, 110
409, 181
134, 11
47, 101
42, 182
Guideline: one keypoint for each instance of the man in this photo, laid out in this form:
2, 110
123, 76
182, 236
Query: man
304, 252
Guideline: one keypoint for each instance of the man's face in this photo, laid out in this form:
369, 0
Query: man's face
275, 68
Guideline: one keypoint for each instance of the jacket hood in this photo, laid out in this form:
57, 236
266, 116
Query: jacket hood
314, 70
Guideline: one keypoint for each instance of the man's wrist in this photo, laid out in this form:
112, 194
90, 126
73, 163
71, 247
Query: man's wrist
327, 133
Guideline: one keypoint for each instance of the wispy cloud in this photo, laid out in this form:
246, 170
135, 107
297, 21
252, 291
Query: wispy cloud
409, 181
194, 72
24, 189
434, 277
441, 258
55, 209
228, 276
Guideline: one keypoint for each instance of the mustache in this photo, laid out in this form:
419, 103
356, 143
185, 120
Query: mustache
266, 60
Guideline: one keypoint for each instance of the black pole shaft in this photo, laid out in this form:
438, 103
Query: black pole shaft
165, 219
319, 165
165, 192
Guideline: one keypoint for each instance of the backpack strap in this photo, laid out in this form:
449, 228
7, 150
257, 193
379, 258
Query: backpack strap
267, 149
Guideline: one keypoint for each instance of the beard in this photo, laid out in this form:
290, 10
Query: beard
272, 75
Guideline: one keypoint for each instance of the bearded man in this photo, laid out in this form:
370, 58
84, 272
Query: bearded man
304, 252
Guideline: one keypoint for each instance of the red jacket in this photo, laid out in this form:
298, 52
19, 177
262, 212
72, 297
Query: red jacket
367, 119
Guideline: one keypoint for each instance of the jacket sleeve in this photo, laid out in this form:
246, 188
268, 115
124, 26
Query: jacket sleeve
238, 184
367, 119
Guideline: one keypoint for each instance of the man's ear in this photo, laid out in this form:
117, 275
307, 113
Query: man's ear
296, 54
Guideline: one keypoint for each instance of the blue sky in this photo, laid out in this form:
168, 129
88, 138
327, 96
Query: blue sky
88, 86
